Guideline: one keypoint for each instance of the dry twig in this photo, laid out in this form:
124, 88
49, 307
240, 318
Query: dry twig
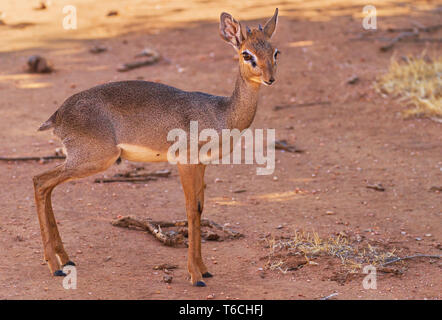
152, 57
299, 105
135, 176
44, 158
283, 145
172, 238
396, 259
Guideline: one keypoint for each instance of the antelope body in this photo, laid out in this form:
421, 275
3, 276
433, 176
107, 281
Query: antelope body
131, 120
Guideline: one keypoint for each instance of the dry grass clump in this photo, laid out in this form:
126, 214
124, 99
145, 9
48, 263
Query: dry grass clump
416, 80
310, 246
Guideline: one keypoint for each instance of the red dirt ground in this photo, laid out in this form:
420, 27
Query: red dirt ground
359, 138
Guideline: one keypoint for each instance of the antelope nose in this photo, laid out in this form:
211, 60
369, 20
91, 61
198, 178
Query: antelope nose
271, 80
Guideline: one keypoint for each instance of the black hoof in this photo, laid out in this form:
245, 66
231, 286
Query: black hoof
59, 273
200, 284
69, 263
207, 275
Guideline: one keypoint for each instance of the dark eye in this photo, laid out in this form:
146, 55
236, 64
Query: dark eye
277, 52
247, 56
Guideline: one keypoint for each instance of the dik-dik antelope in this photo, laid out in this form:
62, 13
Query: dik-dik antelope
131, 120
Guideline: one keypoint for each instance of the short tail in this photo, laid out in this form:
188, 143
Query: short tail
48, 124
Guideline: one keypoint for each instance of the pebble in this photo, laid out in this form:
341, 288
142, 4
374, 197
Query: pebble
167, 278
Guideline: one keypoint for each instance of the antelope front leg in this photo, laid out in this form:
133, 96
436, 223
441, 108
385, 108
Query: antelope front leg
192, 179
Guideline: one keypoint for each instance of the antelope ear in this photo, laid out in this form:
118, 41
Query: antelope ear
230, 30
270, 26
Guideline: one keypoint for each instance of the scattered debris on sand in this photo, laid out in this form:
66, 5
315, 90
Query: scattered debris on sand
290, 253
172, 237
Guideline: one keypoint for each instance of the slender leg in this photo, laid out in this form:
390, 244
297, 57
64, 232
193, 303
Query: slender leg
44, 184
192, 179
58, 246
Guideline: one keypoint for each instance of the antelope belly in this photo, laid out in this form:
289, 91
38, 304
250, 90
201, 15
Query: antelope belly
141, 154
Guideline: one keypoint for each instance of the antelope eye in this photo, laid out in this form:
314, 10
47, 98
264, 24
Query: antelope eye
277, 52
247, 56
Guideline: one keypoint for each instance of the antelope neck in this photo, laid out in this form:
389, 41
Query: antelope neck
242, 105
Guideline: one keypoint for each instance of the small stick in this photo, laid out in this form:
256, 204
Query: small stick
204, 223
133, 65
411, 257
44, 158
299, 105
400, 37
420, 28
134, 177
330, 296
283, 145
127, 222
133, 174
377, 187
154, 227
124, 179
153, 58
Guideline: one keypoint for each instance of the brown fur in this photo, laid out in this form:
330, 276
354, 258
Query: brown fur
131, 119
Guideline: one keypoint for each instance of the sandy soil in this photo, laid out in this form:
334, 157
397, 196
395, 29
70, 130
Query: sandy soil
359, 138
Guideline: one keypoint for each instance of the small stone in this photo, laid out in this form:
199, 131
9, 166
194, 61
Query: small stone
38, 64
418, 239
112, 13
428, 234
210, 296
329, 212
167, 278
353, 79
